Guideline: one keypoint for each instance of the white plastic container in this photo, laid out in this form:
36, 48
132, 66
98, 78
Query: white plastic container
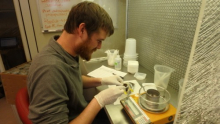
129, 58
140, 76
133, 67
118, 63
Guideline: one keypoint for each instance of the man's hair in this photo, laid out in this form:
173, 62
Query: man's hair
94, 17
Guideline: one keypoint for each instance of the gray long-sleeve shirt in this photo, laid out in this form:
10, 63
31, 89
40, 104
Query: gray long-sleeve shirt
55, 86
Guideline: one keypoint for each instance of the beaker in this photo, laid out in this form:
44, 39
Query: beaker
162, 75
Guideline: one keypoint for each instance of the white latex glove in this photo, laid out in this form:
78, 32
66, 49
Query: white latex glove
112, 80
109, 95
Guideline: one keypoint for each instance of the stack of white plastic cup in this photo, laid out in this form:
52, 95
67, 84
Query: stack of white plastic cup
130, 51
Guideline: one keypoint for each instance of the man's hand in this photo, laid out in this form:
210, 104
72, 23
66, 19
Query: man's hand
109, 95
112, 80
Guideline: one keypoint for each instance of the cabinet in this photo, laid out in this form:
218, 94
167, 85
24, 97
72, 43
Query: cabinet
13, 80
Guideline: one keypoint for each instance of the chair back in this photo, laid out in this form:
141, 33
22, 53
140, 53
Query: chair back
22, 104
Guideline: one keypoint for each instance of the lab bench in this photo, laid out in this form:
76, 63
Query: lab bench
116, 113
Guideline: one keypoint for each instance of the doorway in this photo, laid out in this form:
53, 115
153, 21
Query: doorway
11, 47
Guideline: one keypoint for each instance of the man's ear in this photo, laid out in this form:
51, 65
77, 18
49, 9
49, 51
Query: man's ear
81, 29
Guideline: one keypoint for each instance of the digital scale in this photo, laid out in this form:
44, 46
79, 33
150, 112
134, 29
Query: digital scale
133, 110
148, 113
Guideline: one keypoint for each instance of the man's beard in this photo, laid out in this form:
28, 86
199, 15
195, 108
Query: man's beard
85, 51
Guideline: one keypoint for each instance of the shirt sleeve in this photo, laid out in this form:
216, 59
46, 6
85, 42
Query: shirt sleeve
48, 95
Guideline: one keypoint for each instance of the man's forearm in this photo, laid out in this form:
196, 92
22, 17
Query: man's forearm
89, 82
88, 114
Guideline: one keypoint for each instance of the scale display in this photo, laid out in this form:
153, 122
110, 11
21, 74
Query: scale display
136, 114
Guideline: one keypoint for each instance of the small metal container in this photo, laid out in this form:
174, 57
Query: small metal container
153, 95
129, 87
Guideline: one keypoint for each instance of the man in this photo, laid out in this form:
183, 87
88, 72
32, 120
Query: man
55, 84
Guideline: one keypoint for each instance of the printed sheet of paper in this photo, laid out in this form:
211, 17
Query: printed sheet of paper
104, 71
